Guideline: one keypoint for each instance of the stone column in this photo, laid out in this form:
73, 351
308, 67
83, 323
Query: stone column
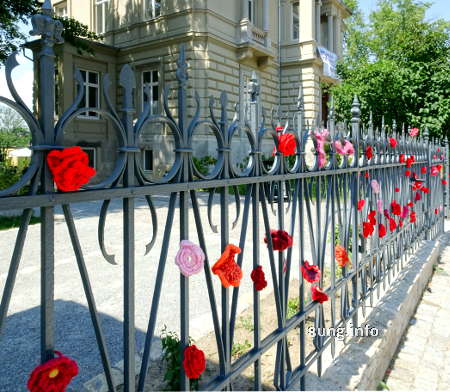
266, 15
318, 10
330, 33
244, 5
338, 36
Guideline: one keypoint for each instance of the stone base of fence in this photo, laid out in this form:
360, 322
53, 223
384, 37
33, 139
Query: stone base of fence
363, 361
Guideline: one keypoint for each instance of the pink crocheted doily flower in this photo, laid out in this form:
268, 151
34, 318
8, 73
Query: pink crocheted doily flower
190, 258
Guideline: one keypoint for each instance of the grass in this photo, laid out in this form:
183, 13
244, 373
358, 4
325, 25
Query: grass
246, 323
239, 349
9, 222
293, 307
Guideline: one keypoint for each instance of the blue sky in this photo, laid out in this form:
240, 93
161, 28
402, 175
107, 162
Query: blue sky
23, 75
439, 9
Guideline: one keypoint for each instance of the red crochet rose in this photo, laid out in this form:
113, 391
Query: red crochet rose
341, 256
402, 158
366, 174
369, 152
417, 197
407, 173
54, 375
444, 182
392, 224
396, 208
361, 204
423, 170
410, 204
69, 168
397, 190
310, 272
318, 295
287, 144
281, 240
424, 189
194, 362
371, 217
410, 161
229, 272
400, 223
367, 229
381, 230
392, 142
259, 278
412, 217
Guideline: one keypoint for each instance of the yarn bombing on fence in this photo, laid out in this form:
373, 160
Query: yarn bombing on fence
259, 278
229, 272
311, 273
70, 168
281, 240
194, 362
190, 258
54, 375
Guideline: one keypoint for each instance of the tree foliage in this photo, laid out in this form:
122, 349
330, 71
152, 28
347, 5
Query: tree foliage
398, 64
13, 131
14, 12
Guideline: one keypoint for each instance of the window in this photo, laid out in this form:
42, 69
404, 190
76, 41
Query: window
147, 160
252, 11
150, 81
91, 97
101, 9
61, 10
152, 8
295, 21
92, 154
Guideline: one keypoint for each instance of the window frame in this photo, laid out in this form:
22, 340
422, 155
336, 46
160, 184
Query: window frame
150, 9
251, 4
144, 160
94, 149
294, 16
86, 85
152, 84
103, 4
59, 8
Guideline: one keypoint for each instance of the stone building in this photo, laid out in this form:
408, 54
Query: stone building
288, 44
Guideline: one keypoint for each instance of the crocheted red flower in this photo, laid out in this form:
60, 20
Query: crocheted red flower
367, 229
69, 168
392, 224
366, 174
361, 204
396, 208
412, 217
402, 158
318, 295
444, 182
423, 170
410, 204
310, 272
341, 256
369, 152
410, 161
371, 217
281, 240
400, 223
54, 375
418, 196
229, 272
259, 278
436, 211
397, 190
381, 230
392, 142
407, 173
287, 144
194, 362
424, 189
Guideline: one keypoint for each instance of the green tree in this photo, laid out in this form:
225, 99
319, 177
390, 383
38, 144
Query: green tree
398, 64
14, 132
14, 12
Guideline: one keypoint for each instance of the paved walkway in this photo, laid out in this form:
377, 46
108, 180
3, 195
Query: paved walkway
423, 361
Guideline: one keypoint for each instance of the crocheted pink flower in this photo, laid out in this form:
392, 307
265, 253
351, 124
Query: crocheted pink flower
346, 149
190, 258
380, 206
413, 132
375, 186
321, 139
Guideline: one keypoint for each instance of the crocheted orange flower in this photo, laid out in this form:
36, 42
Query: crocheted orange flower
229, 272
341, 256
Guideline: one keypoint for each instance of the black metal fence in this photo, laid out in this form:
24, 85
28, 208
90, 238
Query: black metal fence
320, 201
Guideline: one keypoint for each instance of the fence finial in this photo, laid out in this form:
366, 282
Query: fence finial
253, 87
356, 109
426, 134
47, 8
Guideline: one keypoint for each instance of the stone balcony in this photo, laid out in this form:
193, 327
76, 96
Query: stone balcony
254, 44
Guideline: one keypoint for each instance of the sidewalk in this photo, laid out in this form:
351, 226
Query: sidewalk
423, 359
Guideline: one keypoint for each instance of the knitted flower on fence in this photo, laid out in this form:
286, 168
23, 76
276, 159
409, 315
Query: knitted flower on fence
190, 258
281, 240
259, 278
366, 174
424, 189
318, 295
444, 182
413, 132
417, 185
344, 149
286, 144
405, 212
361, 204
371, 217
417, 197
397, 189
410, 161
54, 375
392, 224
381, 230
396, 208
392, 142
400, 223
341, 256
402, 158
434, 171
407, 173
69, 168
321, 138
310, 272
423, 170
375, 186
369, 153
194, 362
380, 206
410, 204
229, 272
412, 217
368, 229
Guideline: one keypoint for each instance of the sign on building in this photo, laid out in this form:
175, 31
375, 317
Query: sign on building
329, 62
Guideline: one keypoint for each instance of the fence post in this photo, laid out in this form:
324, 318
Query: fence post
426, 136
356, 118
300, 115
253, 89
446, 205
50, 31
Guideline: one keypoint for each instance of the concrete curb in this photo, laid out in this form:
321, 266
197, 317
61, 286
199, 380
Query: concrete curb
363, 361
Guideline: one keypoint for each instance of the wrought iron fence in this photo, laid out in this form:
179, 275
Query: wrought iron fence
311, 196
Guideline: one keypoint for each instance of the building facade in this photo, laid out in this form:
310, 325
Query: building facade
287, 44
